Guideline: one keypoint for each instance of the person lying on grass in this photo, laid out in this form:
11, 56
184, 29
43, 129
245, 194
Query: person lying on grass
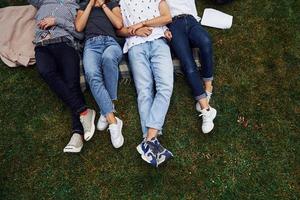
58, 64
152, 69
187, 33
98, 19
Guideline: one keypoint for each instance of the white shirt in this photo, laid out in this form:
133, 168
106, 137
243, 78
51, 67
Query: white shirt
179, 7
135, 11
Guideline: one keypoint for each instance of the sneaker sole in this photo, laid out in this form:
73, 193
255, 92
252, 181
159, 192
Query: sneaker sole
72, 149
88, 137
139, 149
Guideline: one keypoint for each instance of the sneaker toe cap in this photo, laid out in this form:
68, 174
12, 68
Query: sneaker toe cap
118, 142
207, 128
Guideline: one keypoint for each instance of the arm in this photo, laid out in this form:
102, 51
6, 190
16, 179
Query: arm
113, 15
164, 18
142, 32
82, 16
124, 31
64, 23
36, 3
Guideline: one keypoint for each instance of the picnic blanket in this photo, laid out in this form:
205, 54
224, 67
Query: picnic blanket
17, 49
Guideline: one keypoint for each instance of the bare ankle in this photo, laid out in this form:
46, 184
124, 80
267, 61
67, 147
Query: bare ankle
152, 133
203, 103
111, 119
209, 88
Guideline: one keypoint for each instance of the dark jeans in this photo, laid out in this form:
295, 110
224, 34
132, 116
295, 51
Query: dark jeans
187, 34
58, 64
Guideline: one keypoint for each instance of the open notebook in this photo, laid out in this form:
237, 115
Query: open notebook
216, 19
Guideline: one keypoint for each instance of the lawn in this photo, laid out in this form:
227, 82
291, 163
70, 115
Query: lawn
251, 154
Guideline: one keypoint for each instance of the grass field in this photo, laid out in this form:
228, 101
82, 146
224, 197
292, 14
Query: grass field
253, 152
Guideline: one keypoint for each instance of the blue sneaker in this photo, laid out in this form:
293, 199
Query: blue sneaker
148, 151
163, 153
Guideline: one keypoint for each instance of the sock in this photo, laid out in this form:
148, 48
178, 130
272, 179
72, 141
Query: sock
84, 112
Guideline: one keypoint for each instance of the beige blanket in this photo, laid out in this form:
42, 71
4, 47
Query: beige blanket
17, 26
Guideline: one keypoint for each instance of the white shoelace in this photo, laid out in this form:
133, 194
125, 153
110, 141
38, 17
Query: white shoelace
204, 116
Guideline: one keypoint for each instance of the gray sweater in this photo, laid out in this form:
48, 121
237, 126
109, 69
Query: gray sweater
64, 12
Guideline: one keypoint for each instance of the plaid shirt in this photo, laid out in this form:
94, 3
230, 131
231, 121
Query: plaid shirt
64, 12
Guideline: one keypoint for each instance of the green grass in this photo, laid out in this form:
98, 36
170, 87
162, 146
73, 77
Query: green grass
256, 77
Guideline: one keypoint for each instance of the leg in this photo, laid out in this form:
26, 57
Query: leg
111, 58
61, 84
162, 68
142, 75
92, 59
181, 46
76, 124
70, 68
48, 68
200, 38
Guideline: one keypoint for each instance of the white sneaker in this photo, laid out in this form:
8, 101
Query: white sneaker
116, 136
198, 107
88, 124
102, 123
75, 145
208, 116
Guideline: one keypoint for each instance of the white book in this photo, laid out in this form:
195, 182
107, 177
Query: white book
216, 19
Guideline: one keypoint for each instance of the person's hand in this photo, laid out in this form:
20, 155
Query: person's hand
168, 35
144, 31
101, 2
47, 23
134, 28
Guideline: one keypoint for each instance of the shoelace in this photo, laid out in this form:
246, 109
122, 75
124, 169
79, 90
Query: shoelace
153, 148
160, 148
204, 116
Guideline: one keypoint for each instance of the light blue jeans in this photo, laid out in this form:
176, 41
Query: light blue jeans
152, 70
101, 58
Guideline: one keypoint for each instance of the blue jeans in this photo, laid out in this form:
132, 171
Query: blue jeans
101, 58
152, 70
187, 34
